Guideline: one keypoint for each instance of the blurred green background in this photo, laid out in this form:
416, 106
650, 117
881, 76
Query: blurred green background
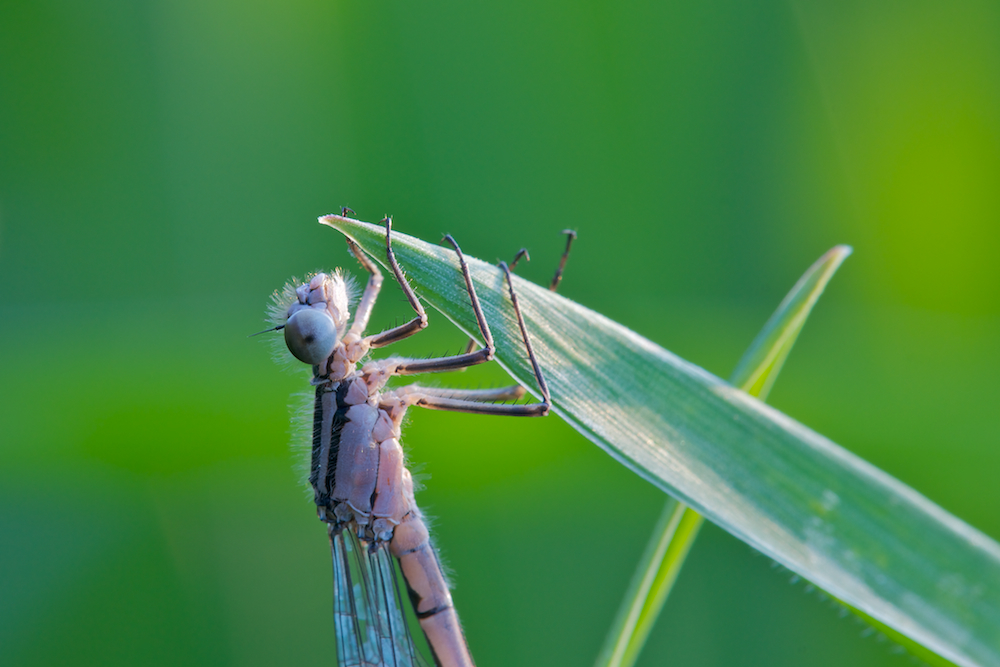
162, 165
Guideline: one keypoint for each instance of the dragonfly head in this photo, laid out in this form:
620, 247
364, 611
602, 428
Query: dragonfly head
317, 319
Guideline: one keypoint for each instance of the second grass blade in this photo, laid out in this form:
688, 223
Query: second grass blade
678, 526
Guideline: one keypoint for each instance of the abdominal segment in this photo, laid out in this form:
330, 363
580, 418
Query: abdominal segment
429, 591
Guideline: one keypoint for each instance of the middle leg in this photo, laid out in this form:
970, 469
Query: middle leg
465, 400
449, 363
420, 321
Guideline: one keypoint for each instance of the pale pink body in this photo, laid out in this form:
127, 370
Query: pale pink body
370, 484
358, 471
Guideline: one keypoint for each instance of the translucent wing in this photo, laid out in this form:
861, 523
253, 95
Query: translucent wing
368, 611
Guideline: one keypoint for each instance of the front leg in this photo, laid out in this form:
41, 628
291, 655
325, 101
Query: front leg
419, 322
364, 309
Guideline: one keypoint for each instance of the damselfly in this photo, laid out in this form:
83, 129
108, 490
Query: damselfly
361, 486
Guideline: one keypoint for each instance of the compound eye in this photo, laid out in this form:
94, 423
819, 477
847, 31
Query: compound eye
310, 335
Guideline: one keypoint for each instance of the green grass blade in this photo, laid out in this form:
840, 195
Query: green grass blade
756, 371
678, 527
654, 578
797, 497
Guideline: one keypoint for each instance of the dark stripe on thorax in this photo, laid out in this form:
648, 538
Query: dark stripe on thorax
316, 439
329, 418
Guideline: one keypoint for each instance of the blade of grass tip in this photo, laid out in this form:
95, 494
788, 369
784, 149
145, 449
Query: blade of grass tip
678, 526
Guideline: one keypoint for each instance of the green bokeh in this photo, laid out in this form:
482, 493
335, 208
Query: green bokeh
161, 168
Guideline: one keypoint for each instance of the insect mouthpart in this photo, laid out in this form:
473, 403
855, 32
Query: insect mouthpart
311, 335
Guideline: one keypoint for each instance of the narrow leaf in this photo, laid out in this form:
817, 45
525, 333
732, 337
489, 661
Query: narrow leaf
654, 578
678, 527
794, 495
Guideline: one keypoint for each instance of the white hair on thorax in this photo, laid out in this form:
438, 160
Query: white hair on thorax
342, 290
